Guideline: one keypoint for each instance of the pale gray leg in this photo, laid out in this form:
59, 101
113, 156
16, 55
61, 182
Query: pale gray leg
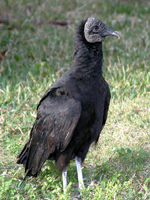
79, 171
64, 178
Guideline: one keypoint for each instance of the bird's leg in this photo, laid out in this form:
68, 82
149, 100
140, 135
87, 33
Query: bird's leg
64, 178
79, 171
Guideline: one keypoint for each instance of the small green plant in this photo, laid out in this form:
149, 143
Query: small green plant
132, 156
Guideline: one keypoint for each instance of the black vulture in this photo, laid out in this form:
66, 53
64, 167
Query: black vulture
73, 111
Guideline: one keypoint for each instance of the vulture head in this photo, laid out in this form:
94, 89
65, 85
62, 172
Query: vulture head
96, 31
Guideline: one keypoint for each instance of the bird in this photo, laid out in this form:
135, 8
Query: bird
73, 111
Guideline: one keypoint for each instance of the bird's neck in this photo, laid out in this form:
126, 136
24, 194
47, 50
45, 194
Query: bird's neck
88, 57
88, 60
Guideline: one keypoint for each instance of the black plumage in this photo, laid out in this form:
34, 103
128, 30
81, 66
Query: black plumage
73, 111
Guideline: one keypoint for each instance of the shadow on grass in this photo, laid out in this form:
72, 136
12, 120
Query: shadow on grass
128, 169
127, 164
126, 160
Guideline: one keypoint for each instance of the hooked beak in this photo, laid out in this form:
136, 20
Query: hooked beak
110, 32
115, 33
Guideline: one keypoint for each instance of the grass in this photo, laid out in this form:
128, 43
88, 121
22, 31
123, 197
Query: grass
36, 55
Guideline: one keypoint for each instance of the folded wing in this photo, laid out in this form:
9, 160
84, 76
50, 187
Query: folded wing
53, 129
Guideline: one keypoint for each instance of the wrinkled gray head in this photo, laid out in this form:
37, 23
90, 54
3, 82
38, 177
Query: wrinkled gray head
96, 31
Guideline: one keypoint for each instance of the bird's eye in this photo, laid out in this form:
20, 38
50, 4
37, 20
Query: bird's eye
96, 28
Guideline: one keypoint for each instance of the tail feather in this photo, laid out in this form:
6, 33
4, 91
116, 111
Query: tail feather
36, 151
22, 157
36, 158
34, 155
33, 159
31, 162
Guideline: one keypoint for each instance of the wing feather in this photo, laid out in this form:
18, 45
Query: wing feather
57, 118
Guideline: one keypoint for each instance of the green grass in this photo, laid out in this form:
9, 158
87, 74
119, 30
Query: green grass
119, 166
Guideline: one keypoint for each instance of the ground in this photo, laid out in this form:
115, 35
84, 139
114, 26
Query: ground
34, 53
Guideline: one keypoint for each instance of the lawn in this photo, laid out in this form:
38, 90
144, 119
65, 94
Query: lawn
34, 53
